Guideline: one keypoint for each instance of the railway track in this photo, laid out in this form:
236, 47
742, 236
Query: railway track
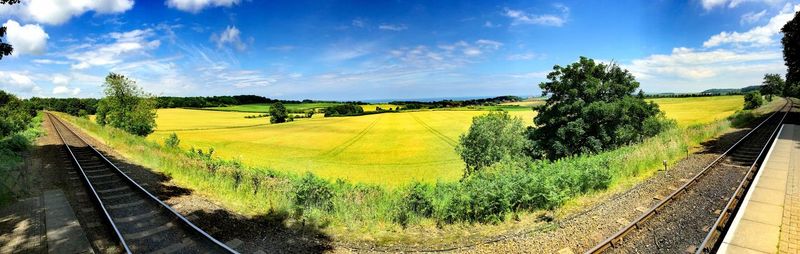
139, 220
681, 221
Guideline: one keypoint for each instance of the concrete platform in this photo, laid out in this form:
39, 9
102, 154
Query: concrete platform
769, 219
64, 232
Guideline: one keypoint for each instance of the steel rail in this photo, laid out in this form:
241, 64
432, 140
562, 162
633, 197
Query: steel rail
140, 188
614, 239
711, 241
102, 207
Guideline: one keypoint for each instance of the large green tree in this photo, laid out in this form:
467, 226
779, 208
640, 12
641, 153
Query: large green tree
791, 55
278, 113
591, 108
126, 106
773, 84
491, 138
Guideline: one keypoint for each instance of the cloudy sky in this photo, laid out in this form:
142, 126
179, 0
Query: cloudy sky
358, 50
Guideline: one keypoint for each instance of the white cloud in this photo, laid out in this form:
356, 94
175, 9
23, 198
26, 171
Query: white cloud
196, 6
60, 80
752, 17
520, 17
19, 83
757, 36
489, 43
231, 36
686, 69
56, 12
393, 27
49, 61
711, 4
522, 57
27, 39
358, 23
63, 90
123, 46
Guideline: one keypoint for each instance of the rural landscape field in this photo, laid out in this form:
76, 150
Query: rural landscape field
391, 149
342, 126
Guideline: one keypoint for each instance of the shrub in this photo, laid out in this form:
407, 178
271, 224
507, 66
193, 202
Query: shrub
15, 143
172, 141
344, 110
126, 106
753, 100
313, 192
491, 138
741, 118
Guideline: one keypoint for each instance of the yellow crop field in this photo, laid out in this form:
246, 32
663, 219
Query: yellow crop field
391, 149
696, 110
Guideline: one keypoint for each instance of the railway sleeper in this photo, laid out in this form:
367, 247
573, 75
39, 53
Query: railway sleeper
137, 217
106, 191
95, 176
152, 234
176, 247
126, 205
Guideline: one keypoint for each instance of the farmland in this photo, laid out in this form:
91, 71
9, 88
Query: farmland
698, 110
387, 149
390, 149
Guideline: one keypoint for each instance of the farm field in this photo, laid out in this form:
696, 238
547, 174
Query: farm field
263, 108
698, 110
390, 149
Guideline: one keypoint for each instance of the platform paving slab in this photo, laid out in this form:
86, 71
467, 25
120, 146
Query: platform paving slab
64, 232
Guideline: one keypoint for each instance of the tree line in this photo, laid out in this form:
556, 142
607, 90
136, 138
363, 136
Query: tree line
457, 103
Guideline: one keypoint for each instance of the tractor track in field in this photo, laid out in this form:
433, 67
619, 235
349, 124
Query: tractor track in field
438, 134
341, 147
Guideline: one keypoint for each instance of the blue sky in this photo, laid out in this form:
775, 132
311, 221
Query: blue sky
360, 50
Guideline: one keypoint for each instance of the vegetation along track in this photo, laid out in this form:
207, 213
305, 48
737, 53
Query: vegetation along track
141, 222
680, 221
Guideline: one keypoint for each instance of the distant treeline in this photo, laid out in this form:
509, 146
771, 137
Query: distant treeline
72, 106
457, 103
709, 92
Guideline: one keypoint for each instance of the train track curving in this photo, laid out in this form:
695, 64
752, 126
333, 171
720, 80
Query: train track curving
683, 220
140, 222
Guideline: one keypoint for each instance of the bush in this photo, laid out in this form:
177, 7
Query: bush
15, 143
491, 138
742, 118
172, 141
753, 100
313, 192
344, 110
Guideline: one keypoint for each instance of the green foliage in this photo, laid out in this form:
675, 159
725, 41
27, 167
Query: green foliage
172, 141
126, 106
753, 100
344, 110
14, 115
277, 113
313, 192
791, 56
591, 109
491, 138
773, 85
741, 118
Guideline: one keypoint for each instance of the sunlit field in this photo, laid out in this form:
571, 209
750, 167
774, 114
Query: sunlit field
697, 110
390, 148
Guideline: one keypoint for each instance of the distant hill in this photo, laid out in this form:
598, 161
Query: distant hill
732, 90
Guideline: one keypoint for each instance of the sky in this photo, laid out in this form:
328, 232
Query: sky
364, 50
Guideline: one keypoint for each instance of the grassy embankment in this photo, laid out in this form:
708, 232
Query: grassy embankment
360, 211
11, 148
